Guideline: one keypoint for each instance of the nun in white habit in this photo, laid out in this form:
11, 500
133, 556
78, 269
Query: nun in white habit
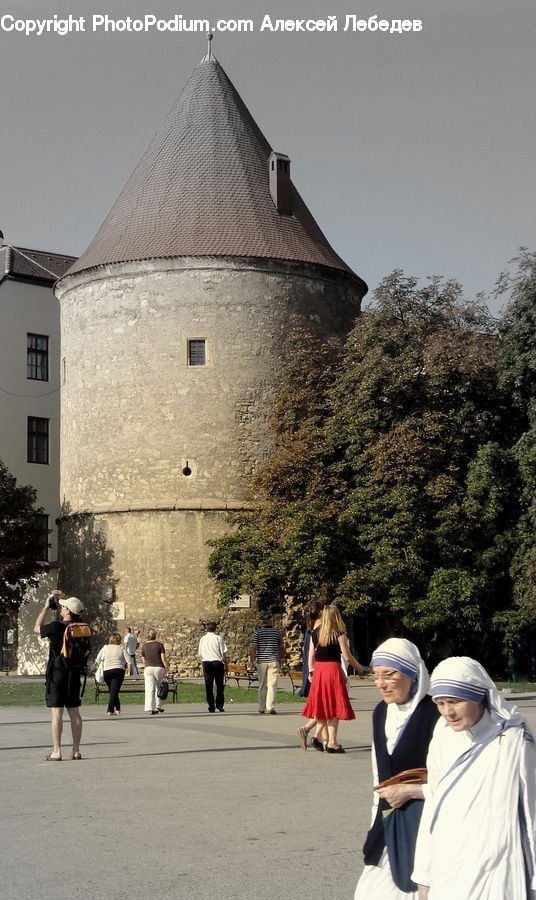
477, 833
403, 724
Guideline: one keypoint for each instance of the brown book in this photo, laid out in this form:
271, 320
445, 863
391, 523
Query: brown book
408, 776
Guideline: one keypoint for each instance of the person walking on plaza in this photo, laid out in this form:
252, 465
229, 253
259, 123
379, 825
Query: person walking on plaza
266, 653
313, 619
328, 701
131, 644
154, 657
403, 723
477, 836
62, 685
115, 660
213, 653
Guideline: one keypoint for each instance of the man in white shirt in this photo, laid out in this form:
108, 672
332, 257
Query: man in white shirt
131, 645
213, 653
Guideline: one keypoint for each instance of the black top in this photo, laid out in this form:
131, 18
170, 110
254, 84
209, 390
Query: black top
410, 753
329, 653
54, 631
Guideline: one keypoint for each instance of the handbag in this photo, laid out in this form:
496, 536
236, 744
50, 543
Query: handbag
163, 690
99, 672
408, 776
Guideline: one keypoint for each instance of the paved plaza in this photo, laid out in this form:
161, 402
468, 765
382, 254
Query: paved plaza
186, 805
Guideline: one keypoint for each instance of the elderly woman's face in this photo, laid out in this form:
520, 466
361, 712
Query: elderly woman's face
460, 714
392, 685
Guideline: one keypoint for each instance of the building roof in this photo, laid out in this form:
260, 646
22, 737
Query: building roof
33, 265
202, 189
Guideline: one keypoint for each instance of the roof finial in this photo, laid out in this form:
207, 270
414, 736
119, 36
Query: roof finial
209, 55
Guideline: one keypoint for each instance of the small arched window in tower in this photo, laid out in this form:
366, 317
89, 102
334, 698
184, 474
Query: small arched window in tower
197, 352
186, 470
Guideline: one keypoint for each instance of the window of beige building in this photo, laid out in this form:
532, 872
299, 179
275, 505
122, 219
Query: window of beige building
44, 531
37, 440
37, 357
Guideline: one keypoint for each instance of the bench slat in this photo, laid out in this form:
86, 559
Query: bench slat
240, 673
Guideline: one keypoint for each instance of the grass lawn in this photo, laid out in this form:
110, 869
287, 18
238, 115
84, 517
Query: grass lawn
522, 686
33, 694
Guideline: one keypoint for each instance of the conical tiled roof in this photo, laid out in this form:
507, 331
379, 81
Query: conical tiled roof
202, 189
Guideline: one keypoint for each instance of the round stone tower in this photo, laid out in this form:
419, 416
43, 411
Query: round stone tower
172, 327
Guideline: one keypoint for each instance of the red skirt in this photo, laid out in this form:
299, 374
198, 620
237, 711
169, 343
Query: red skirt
328, 697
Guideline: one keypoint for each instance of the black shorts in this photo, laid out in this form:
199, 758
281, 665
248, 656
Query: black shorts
62, 688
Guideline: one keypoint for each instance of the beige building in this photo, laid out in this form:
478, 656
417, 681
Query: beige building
173, 325
30, 403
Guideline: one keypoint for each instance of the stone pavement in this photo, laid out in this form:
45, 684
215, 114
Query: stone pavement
185, 806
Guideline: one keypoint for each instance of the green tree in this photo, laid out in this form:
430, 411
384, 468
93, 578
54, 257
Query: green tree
517, 364
290, 544
19, 539
391, 487
419, 429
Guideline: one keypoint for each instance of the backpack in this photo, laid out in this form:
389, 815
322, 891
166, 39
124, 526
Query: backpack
76, 648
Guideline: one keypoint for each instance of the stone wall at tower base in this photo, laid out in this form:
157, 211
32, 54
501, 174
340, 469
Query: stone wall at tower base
137, 583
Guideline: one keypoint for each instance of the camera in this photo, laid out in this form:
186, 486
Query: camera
52, 602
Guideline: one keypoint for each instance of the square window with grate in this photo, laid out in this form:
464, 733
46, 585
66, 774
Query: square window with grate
196, 352
37, 357
37, 440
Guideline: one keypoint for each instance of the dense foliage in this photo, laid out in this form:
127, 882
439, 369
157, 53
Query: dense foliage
19, 539
419, 425
517, 366
402, 481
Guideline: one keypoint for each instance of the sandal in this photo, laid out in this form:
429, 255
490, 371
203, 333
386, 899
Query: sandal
50, 758
76, 755
337, 749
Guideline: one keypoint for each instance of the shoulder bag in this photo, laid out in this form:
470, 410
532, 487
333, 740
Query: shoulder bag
99, 672
163, 690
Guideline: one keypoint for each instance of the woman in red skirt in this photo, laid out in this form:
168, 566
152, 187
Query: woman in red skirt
328, 699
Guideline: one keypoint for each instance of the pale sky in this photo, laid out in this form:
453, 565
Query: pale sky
412, 150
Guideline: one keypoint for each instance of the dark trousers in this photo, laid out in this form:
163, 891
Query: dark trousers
114, 680
214, 672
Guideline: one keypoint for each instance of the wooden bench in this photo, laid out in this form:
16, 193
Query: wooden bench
135, 686
295, 680
240, 673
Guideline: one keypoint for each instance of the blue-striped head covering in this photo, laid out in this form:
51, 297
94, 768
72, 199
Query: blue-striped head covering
459, 677
403, 656
398, 654
467, 679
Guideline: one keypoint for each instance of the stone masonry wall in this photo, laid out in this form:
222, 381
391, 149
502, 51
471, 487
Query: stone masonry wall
170, 592
156, 452
134, 411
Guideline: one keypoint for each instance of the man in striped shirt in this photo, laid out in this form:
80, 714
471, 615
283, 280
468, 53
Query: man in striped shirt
266, 652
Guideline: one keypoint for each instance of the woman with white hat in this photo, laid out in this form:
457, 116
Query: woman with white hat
403, 724
477, 834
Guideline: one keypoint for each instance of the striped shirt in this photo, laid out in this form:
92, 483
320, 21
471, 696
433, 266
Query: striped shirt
267, 641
